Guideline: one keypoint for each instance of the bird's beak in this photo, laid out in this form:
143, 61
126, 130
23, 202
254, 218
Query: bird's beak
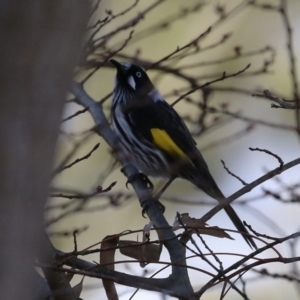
118, 66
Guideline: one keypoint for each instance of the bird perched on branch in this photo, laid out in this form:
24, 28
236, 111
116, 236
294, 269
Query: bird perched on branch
156, 138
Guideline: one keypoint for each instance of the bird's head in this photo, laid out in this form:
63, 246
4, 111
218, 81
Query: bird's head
132, 80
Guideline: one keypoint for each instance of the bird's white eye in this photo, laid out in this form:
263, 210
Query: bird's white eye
138, 74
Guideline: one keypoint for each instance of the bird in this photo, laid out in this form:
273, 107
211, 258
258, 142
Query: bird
156, 138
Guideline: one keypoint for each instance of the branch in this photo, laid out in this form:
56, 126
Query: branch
232, 174
178, 281
223, 77
57, 281
250, 266
249, 187
282, 102
80, 159
281, 163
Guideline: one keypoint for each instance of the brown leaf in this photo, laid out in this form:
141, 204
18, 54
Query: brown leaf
141, 251
108, 257
198, 226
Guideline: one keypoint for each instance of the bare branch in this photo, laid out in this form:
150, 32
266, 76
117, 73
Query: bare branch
223, 77
249, 187
235, 176
281, 163
282, 102
79, 159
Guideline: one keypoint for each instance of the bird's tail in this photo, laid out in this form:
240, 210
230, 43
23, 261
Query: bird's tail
239, 226
209, 186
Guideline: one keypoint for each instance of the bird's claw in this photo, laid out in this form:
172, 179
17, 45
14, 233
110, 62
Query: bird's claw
142, 177
147, 203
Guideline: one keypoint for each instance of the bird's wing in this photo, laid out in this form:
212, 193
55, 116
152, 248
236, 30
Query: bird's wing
160, 124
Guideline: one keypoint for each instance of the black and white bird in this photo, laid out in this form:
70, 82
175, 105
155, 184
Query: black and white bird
157, 139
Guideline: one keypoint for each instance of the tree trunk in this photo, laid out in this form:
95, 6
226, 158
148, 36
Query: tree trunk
39, 46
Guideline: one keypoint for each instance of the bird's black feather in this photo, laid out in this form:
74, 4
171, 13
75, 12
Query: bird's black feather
147, 115
144, 114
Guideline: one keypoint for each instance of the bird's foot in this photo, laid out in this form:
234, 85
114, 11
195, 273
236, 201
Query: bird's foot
147, 203
142, 177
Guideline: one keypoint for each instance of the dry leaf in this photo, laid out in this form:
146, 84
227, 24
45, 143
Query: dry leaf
141, 251
108, 257
198, 226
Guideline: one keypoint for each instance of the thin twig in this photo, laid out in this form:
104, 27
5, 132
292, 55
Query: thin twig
281, 163
223, 77
79, 159
282, 102
249, 187
232, 174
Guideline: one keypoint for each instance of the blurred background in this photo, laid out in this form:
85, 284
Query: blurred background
234, 120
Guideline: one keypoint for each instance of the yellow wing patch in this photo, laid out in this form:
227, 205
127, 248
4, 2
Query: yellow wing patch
163, 141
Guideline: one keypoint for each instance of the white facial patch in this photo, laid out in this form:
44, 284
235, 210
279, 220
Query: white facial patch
155, 95
131, 81
126, 66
